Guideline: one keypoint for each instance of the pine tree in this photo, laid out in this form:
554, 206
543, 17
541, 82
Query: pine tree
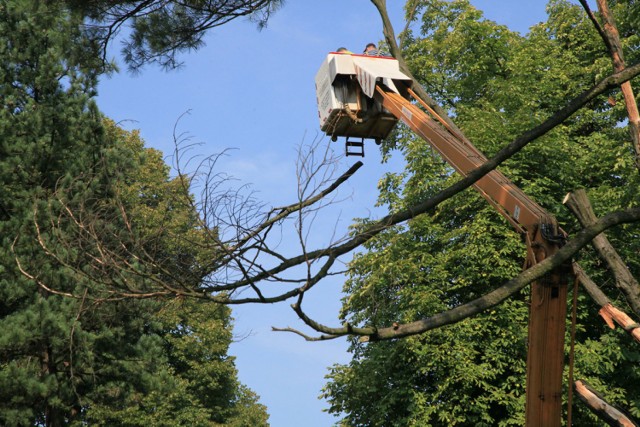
70, 361
51, 135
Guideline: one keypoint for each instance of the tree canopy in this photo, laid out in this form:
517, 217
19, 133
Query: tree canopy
441, 270
78, 361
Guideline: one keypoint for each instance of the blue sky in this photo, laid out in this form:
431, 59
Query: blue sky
253, 91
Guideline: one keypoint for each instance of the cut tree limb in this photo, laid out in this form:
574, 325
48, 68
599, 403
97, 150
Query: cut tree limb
601, 408
608, 312
579, 204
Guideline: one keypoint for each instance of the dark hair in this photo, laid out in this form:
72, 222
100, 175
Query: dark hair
370, 44
340, 49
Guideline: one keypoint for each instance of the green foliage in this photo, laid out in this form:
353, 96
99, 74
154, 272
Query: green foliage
193, 382
497, 84
162, 224
160, 30
68, 361
200, 331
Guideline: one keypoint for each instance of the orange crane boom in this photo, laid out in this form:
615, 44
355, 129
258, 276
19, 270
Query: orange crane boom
363, 97
545, 357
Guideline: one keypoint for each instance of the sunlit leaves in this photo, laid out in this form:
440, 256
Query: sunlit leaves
496, 84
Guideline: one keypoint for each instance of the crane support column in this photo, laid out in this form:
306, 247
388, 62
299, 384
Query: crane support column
545, 356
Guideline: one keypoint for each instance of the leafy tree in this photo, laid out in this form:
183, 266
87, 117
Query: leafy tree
199, 384
473, 372
72, 361
198, 337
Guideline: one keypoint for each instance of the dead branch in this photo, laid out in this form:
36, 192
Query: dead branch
303, 335
126, 262
220, 276
488, 300
241, 253
602, 408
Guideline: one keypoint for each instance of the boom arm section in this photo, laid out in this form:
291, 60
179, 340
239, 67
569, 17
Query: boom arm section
521, 211
545, 357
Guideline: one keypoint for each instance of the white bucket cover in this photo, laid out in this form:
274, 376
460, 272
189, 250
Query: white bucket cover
370, 69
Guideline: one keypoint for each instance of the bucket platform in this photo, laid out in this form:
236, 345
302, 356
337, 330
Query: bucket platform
345, 86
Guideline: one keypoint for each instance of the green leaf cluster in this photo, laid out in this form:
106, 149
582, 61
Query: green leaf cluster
496, 84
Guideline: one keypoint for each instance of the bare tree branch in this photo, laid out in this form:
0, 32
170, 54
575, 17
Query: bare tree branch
303, 335
488, 300
229, 211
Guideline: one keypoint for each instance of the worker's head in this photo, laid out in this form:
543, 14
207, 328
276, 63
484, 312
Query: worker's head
342, 49
370, 46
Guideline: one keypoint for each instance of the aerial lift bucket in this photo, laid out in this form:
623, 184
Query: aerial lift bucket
345, 87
